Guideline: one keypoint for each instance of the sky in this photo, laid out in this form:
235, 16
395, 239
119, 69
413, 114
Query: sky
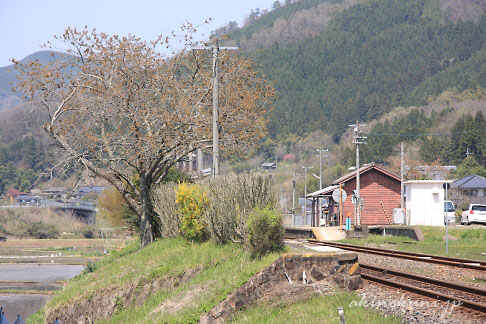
27, 24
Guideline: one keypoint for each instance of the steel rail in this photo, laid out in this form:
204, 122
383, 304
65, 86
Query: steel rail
421, 257
437, 282
424, 292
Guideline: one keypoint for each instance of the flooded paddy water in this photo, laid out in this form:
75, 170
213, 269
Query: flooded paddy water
32, 270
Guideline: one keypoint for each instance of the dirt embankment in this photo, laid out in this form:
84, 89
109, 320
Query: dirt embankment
104, 303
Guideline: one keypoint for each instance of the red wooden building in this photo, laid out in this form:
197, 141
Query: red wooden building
379, 191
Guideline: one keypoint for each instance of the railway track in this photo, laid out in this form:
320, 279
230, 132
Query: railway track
420, 257
464, 296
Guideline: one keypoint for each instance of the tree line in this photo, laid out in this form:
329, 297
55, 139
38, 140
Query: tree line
372, 57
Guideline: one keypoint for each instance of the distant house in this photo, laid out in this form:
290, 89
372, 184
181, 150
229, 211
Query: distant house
82, 191
56, 193
13, 193
28, 200
269, 166
468, 190
379, 192
439, 172
289, 157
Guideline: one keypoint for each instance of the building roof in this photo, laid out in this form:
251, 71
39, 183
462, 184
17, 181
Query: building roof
323, 192
427, 181
14, 193
363, 169
268, 164
470, 182
27, 197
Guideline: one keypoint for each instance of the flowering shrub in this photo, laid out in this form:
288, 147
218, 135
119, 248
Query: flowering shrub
192, 203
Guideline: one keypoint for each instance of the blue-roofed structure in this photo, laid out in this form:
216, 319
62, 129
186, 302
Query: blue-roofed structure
468, 190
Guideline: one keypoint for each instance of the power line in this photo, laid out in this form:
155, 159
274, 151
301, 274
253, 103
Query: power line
290, 18
482, 130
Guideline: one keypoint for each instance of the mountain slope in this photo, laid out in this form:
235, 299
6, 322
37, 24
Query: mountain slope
373, 56
8, 77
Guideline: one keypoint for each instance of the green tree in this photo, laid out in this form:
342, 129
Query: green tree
469, 166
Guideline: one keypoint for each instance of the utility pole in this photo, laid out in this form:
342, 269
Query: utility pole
358, 141
191, 162
305, 191
200, 162
320, 180
215, 49
293, 200
402, 184
320, 165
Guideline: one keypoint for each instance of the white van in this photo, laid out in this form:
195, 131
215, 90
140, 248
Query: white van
450, 212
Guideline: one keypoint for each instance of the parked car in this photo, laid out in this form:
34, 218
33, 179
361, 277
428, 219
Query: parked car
450, 212
474, 214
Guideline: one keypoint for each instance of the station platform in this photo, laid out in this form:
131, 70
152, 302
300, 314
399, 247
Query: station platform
328, 233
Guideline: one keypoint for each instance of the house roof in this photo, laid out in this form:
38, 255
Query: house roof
363, 169
268, 164
323, 192
14, 193
471, 181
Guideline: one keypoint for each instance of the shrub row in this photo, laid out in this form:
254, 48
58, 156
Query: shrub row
232, 208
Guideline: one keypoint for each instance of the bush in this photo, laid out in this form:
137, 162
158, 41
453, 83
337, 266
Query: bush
231, 200
265, 232
114, 210
89, 233
164, 202
192, 203
41, 230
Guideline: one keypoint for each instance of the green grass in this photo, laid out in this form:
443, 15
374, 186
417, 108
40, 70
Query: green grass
466, 242
223, 268
319, 310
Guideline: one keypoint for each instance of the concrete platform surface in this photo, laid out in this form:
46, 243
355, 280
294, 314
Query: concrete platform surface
322, 248
328, 233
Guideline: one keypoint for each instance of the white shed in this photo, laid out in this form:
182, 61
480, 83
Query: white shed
425, 202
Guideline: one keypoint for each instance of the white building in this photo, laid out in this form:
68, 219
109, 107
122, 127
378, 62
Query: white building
425, 202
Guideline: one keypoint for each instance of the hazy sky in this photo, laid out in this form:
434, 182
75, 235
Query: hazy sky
26, 24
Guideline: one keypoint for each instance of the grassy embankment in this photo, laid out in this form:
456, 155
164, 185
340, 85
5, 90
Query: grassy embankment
222, 269
464, 242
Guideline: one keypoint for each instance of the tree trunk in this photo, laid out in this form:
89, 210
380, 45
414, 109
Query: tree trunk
146, 217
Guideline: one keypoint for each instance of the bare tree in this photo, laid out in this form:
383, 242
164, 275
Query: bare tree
121, 110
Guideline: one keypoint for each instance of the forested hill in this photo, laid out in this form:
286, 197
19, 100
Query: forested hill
364, 58
8, 77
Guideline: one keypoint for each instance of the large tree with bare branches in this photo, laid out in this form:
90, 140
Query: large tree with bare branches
126, 113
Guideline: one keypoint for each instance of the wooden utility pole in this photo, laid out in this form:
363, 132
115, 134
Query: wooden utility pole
215, 49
